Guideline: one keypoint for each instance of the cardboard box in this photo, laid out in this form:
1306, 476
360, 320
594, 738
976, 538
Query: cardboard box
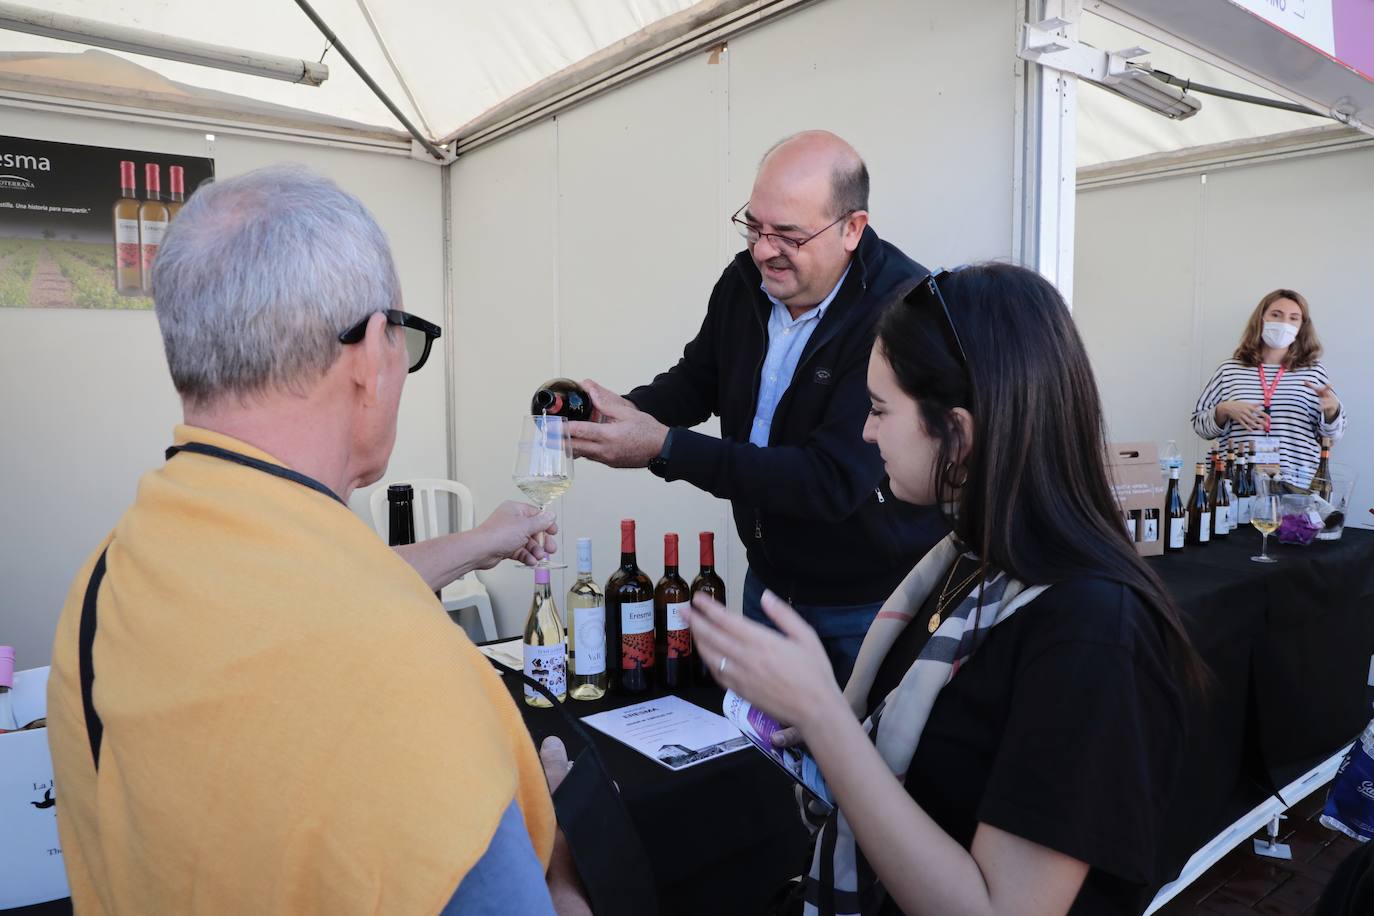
31, 865
1133, 471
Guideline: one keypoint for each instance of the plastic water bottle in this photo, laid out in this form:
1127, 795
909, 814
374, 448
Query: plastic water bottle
1170, 457
1350, 801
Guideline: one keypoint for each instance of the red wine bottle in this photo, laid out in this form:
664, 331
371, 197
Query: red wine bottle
630, 618
561, 397
674, 640
709, 584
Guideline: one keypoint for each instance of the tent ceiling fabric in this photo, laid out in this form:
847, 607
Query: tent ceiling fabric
458, 57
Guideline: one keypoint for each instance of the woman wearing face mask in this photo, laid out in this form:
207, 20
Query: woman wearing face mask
1010, 735
1274, 386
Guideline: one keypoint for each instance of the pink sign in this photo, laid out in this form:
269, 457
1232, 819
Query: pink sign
1354, 28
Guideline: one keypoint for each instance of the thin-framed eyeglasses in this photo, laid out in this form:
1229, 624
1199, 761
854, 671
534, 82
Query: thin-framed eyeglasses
419, 334
752, 234
927, 292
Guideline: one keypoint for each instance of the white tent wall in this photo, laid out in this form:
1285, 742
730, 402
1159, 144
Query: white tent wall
88, 405
1168, 269
586, 245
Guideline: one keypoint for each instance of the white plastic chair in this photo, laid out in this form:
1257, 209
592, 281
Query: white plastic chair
467, 591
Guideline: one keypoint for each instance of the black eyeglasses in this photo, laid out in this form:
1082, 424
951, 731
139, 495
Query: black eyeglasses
927, 292
752, 233
419, 334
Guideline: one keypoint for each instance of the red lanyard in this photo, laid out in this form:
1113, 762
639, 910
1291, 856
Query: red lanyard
1269, 390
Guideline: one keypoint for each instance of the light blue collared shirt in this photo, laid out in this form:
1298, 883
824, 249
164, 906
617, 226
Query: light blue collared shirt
787, 339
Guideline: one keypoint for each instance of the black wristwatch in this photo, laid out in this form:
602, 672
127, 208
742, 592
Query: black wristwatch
658, 465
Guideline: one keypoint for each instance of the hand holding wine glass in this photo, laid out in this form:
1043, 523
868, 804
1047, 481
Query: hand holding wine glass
543, 461
1265, 514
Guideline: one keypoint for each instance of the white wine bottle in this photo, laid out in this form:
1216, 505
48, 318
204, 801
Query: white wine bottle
587, 675
152, 222
128, 256
546, 654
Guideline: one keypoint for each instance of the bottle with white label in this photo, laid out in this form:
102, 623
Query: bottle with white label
671, 595
1199, 510
587, 676
1150, 526
630, 619
546, 654
1175, 516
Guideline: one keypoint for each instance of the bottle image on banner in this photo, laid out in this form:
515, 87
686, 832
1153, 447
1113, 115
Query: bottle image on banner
561, 397
709, 584
1199, 509
176, 175
128, 260
546, 654
674, 640
152, 222
587, 675
1175, 516
630, 618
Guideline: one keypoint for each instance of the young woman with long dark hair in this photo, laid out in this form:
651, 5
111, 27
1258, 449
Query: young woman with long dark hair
1010, 735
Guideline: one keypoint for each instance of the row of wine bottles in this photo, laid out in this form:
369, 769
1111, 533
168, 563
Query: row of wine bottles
1224, 491
140, 226
630, 637
8, 722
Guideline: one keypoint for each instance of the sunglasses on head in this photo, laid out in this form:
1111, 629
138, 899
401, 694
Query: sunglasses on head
927, 292
419, 334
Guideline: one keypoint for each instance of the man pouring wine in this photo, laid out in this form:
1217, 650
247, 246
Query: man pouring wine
781, 359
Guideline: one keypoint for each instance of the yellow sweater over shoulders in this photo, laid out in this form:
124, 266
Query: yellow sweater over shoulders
290, 723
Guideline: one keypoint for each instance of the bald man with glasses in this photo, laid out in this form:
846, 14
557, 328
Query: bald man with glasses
781, 359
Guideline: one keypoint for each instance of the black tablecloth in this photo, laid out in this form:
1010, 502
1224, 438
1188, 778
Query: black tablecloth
722, 836
1289, 647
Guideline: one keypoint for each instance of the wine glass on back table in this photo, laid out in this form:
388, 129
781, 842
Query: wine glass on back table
543, 463
1265, 514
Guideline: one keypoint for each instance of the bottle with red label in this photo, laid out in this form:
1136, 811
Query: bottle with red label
152, 222
671, 595
630, 618
128, 260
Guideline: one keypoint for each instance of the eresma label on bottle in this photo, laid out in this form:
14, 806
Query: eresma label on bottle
589, 640
549, 666
1176, 533
126, 243
1151, 530
1204, 531
152, 232
637, 635
679, 636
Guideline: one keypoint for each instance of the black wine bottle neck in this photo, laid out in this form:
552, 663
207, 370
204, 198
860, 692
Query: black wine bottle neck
628, 562
708, 569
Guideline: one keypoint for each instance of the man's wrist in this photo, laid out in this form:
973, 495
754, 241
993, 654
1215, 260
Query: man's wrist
658, 465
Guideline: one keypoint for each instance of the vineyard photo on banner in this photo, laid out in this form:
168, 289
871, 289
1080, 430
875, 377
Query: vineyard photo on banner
80, 226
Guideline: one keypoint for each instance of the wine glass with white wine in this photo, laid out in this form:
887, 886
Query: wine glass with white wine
1265, 514
543, 464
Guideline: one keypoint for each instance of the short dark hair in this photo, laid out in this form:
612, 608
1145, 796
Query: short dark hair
849, 187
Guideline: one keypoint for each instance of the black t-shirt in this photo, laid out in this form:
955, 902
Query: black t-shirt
1064, 728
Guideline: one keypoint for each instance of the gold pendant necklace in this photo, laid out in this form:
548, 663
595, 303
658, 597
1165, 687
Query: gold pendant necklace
947, 597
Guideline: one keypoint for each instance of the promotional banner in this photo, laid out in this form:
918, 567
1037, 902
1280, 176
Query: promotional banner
80, 226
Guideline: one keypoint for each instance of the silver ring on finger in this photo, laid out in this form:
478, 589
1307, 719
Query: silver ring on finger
720, 669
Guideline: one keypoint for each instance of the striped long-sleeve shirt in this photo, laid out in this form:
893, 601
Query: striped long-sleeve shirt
1295, 414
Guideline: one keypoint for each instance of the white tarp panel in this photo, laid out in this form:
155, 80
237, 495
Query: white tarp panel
457, 57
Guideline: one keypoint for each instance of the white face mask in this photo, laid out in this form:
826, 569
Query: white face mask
1279, 334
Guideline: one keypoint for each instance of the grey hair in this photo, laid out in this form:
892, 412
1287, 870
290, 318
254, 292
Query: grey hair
257, 277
